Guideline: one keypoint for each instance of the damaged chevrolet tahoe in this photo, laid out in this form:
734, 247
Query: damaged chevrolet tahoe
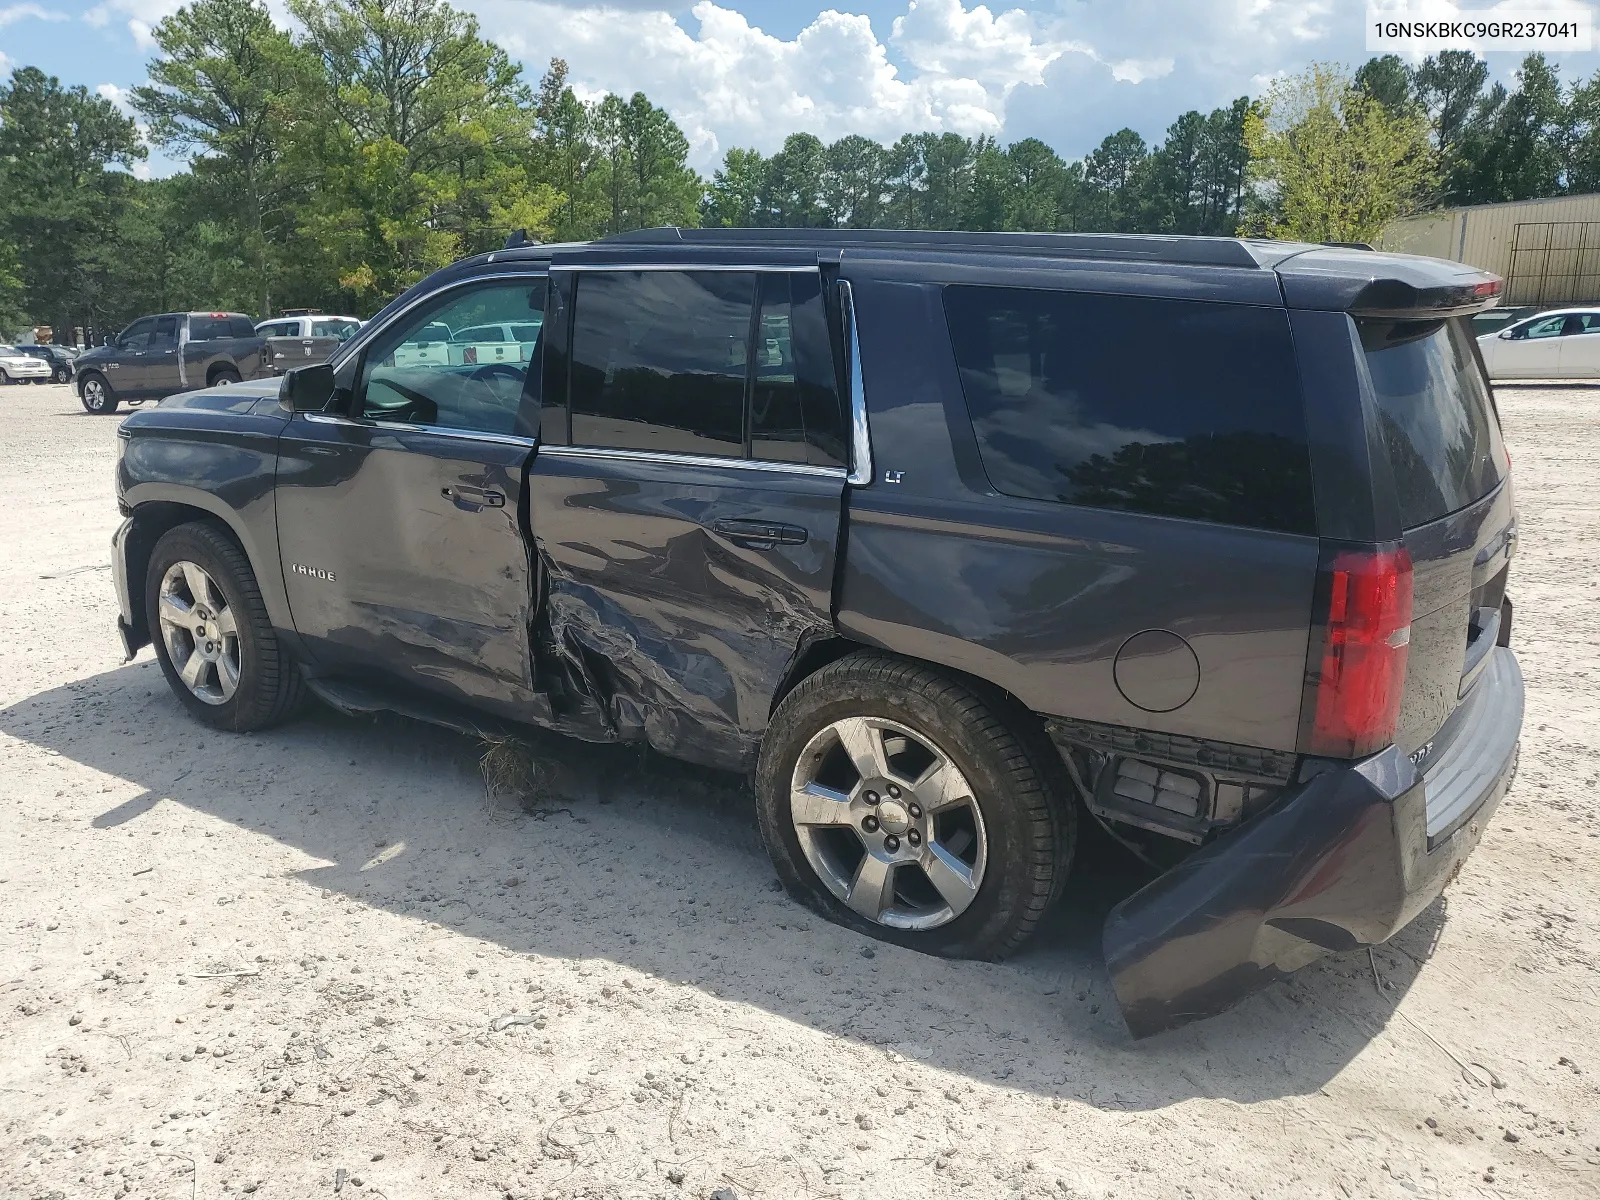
952, 540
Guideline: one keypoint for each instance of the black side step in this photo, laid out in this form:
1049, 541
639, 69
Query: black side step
355, 699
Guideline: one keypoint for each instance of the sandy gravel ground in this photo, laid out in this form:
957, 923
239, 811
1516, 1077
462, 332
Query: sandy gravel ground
317, 962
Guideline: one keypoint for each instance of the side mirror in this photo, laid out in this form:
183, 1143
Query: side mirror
306, 389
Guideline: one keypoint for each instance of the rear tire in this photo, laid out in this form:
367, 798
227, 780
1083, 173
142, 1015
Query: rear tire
224, 376
955, 838
212, 635
96, 394
62, 375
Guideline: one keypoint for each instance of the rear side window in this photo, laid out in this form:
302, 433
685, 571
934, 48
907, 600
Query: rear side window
1435, 415
1177, 408
658, 360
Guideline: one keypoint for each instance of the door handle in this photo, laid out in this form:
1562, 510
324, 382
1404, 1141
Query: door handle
472, 499
759, 535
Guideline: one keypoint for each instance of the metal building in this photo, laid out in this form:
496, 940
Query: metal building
1547, 251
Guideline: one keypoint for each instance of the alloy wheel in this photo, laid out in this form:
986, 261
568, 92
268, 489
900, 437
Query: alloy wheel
94, 395
889, 823
200, 632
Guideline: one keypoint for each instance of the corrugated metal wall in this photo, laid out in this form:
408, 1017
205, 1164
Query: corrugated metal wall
1547, 251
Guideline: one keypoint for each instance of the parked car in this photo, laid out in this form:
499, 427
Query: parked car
60, 359
18, 367
917, 529
1493, 320
1563, 343
157, 356
294, 341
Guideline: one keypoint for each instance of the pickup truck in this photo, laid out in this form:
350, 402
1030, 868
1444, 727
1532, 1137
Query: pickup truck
161, 355
304, 338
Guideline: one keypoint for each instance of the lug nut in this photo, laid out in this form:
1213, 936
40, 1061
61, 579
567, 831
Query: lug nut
870, 824
915, 810
891, 843
894, 792
871, 797
913, 837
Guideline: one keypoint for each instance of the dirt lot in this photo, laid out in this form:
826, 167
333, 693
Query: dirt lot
283, 964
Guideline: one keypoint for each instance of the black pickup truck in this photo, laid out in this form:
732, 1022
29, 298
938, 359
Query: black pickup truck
174, 352
952, 541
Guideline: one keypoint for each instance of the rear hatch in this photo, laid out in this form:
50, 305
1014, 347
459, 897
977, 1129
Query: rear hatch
1440, 431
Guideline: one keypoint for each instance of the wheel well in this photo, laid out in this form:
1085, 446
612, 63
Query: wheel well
150, 521
217, 369
813, 656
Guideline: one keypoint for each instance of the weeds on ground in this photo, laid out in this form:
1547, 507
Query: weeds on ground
510, 769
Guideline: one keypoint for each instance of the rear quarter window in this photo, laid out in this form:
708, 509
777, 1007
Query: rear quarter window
1435, 415
1177, 408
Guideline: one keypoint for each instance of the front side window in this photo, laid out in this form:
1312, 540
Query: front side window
1178, 408
137, 335
417, 372
659, 360
1547, 328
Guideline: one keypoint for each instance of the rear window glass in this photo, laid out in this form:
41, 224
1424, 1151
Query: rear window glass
1179, 408
1435, 415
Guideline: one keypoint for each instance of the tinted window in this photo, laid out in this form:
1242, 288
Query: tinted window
135, 336
1179, 408
659, 360
1437, 421
334, 329
794, 403
165, 336
415, 374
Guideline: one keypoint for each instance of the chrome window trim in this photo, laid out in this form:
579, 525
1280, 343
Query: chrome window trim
371, 331
860, 432
460, 435
693, 460
755, 268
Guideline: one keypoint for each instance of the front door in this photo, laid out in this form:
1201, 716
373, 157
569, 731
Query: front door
124, 366
1532, 351
398, 519
686, 498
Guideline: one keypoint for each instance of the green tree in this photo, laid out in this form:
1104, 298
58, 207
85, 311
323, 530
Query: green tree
223, 86
1516, 145
1111, 172
795, 182
737, 196
1388, 80
854, 182
1331, 164
417, 144
62, 193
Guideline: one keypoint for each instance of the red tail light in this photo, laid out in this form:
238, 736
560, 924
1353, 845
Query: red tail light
1359, 675
469, 355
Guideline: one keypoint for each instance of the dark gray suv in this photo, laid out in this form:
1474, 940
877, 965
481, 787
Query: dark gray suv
951, 540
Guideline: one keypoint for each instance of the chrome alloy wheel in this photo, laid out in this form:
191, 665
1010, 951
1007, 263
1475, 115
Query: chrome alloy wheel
201, 635
94, 394
889, 823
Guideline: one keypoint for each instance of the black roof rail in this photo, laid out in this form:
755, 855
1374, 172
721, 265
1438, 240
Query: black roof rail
1138, 247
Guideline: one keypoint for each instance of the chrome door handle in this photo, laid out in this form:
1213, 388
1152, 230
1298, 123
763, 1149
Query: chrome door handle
473, 499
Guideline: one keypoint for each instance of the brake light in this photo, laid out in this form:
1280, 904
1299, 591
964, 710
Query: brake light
1359, 673
470, 354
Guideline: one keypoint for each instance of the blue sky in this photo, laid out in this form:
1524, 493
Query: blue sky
747, 72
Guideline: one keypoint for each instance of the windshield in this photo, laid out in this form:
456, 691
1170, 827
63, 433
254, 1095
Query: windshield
1436, 415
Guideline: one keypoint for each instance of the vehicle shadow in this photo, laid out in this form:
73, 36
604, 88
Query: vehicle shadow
658, 866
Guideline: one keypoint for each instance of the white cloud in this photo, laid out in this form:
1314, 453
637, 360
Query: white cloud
731, 83
22, 12
142, 16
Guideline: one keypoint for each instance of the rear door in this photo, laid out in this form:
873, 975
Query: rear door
157, 372
686, 497
1580, 346
1441, 433
398, 517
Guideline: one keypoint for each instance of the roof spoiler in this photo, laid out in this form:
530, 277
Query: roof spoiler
1367, 283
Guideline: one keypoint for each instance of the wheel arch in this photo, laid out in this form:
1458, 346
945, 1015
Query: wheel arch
154, 515
217, 367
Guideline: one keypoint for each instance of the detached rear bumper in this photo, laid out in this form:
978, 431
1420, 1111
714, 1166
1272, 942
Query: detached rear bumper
1346, 861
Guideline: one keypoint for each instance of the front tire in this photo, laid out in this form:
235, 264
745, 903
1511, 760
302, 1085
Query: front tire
96, 395
898, 801
62, 375
212, 635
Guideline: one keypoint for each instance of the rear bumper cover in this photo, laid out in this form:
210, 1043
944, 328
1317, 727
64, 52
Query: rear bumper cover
1346, 861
